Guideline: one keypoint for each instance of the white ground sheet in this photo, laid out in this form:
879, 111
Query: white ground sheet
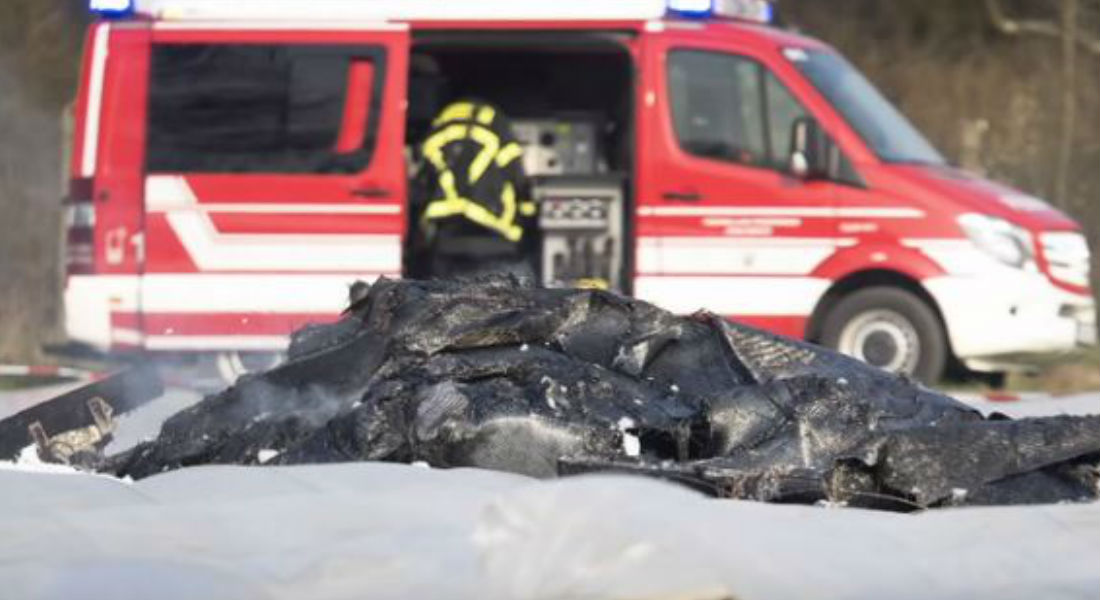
394, 531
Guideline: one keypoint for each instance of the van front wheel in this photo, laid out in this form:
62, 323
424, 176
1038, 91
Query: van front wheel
889, 328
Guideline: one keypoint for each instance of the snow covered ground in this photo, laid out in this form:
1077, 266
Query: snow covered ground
393, 531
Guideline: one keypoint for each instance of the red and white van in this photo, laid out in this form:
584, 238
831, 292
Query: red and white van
236, 164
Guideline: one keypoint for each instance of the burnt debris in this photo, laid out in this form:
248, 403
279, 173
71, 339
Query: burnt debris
549, 382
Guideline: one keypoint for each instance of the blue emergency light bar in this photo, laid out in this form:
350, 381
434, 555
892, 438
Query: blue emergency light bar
691, 8
758, 11
112, 8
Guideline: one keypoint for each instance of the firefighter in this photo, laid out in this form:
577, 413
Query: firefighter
470, 196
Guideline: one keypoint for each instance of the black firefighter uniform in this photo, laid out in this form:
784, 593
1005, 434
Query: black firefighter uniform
475, 215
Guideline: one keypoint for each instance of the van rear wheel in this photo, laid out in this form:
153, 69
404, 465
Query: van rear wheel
889, 328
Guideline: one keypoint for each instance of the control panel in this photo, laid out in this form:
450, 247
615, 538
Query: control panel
581, 220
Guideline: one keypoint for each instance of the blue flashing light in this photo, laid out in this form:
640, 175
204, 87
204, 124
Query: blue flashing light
112, 8
767, 12
757, 11
691, 8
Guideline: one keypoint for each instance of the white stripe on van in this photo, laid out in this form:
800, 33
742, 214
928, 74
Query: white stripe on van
164, 193
784, 211
212, 250
746, 296
92, 116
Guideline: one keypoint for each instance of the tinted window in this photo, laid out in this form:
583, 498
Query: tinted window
248, 108
729, 107
717, 106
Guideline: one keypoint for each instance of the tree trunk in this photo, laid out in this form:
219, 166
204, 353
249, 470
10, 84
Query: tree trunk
1069, 102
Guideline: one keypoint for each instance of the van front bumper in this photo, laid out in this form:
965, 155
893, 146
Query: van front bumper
1011, 320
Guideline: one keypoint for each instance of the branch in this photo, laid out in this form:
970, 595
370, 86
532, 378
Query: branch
1009, 26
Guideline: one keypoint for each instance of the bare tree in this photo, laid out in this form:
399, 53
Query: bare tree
1048, 28
1067, 30
39, 51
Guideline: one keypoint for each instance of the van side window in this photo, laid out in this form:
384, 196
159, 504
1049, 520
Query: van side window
256, 108
730, 107
717, 106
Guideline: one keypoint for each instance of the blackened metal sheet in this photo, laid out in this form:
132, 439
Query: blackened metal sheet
554, 382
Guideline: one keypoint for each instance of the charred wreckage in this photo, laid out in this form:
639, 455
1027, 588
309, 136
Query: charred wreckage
548, 382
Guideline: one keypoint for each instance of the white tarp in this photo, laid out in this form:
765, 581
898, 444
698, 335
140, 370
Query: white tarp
391, 531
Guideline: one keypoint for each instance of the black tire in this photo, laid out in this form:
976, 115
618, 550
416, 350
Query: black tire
890, 328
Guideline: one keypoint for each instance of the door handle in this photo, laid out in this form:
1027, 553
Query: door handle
682, 196
371, 192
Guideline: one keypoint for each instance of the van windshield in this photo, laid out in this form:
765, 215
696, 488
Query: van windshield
889, 134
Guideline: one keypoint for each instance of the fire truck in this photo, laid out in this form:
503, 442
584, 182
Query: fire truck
235, 165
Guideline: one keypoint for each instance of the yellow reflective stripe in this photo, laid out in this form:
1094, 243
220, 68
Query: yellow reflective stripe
454, 205
490, 144
457, 111
447, 182
592, 283
433, 146
486, 114
509, 153
450, 207
447, 207
528, 209
508, 200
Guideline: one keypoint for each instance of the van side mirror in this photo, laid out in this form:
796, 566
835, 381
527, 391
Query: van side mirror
809, 150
